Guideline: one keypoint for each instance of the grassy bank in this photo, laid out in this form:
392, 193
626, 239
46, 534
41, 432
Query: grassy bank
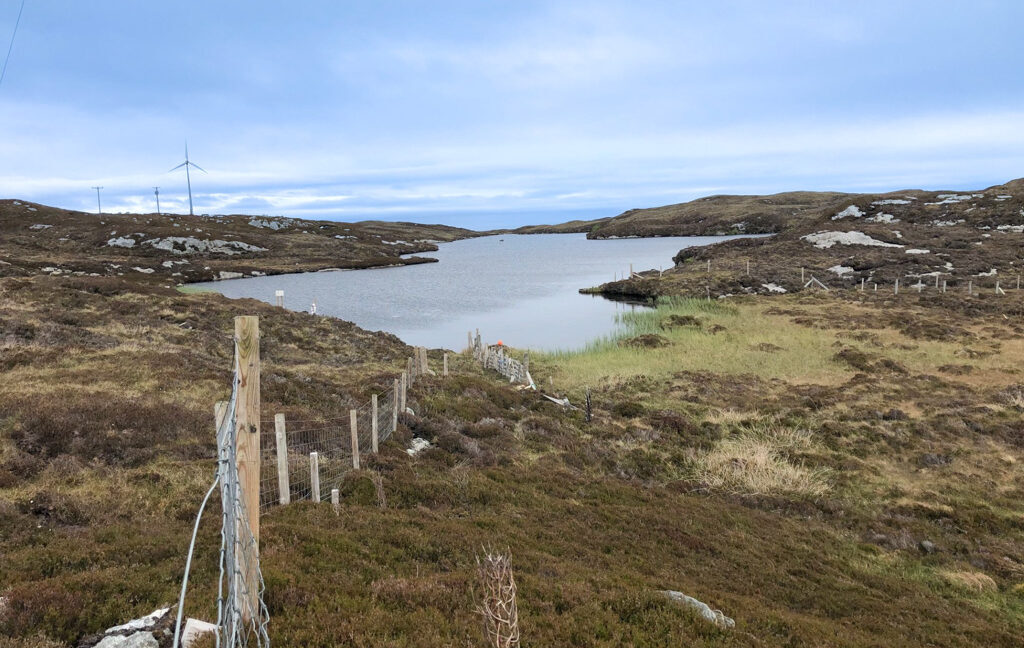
858, 485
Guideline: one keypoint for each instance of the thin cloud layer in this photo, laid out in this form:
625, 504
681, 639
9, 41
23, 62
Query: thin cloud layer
462, 113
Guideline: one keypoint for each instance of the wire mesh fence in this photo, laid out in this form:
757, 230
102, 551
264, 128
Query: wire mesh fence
242, 616
331, 440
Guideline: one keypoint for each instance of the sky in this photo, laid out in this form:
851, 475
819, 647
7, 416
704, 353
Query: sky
500, 113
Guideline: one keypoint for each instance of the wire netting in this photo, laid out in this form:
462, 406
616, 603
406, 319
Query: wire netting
331, 440
242, 616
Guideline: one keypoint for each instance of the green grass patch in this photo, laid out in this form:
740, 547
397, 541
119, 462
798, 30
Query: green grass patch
701, 335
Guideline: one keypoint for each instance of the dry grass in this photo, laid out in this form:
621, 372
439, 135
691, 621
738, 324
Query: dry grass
969, 580
754, 462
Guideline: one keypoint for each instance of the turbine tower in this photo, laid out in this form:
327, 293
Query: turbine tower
157, 191
188, 177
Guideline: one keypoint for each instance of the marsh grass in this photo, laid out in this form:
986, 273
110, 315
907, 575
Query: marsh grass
738, 338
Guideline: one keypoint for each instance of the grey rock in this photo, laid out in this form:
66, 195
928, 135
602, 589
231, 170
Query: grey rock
137, 640
714, 616
927, 546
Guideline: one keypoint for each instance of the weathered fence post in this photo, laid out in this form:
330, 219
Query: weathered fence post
353, 418
394, 407
314, 476
410, 371
405, 386
279, 298
936, 280
423, 360
335, 501
748, 267
526, 367
373, 423
469, 341
247, 450
896, 287
281, 436
970, 287
801, 274
444, 368
709, 265
862, 282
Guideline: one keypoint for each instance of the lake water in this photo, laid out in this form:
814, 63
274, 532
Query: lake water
521, 289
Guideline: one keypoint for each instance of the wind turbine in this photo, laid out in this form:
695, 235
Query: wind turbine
188, 177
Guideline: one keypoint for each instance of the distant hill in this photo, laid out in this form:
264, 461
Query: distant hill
36, 239
719, 215
841, 239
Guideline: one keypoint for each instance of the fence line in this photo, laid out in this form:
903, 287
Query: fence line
808, 281
494, 357
289, 471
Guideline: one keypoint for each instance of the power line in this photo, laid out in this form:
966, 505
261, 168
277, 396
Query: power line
10, 47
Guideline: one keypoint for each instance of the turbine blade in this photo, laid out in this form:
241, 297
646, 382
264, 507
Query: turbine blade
198, 167
178, 167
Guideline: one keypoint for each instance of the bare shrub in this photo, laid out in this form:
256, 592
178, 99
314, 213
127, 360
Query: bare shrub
498, 599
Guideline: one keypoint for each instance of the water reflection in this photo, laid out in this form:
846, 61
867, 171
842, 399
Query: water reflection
521, 289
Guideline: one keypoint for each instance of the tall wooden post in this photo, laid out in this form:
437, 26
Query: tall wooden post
405, 386
423, 360
409, 371
394, 407
444, 368
314, 476
281, 436
373, 424
335, 501
353, 417
247, 449
469, 341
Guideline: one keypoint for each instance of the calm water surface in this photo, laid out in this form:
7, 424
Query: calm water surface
517, 288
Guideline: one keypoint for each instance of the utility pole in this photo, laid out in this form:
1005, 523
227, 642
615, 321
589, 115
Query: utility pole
99, 207
157, 191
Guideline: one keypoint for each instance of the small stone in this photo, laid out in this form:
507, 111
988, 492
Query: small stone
137, 640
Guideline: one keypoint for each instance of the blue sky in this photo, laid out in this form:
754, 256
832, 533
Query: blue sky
488, 113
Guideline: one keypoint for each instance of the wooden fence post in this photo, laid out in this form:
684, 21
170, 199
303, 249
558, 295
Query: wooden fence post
424, 363
281, 436
279, 298
247, 450
409, 371
444, 368
353, 417
526, 366
896, 287
469, 341
970, 287
394, 407
335, 501
405, 386
373, 423
314, 476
